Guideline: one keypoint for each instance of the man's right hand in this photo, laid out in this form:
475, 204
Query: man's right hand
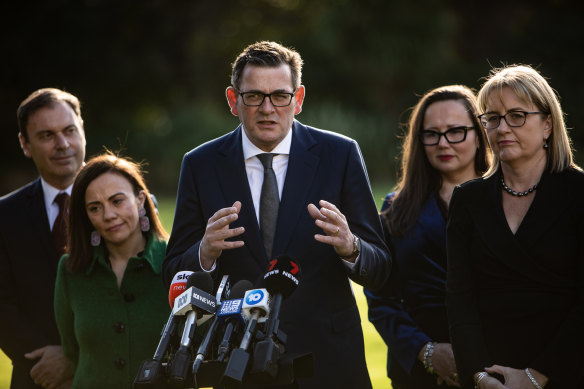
51, 369
217, 231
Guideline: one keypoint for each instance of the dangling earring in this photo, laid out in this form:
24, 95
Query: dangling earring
95, 238
144, 221
545, 145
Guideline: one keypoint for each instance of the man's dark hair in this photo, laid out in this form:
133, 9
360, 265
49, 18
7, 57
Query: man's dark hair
41, 98
269, 54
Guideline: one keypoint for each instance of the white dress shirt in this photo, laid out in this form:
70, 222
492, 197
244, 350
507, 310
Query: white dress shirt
50, 192
255, 169
255, 175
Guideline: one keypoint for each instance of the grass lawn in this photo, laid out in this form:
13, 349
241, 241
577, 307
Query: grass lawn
375, 349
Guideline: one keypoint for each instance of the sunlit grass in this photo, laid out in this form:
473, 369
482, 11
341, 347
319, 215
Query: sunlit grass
375, 349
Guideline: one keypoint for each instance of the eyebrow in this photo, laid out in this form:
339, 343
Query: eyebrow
109, 198
509, 110
271, 93
67, 127
449, 128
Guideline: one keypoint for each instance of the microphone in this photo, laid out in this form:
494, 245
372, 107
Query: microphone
226, 309
281, 281
256, 308
178, 285
230, 313
150, 374
198, 305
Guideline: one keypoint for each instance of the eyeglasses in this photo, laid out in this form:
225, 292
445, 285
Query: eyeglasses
278, 99
513, 119
452, 135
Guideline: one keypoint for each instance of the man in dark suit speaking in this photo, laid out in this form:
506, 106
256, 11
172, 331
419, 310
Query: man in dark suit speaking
275, 186
32, 238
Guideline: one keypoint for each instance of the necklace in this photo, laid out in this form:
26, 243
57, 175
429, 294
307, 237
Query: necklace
518, 194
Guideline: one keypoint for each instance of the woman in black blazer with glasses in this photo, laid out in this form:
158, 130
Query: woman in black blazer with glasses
515, 241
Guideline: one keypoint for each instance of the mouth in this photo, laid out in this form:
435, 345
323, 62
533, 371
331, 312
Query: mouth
114, 228
445, 158
62, 158
505, 142
267, 123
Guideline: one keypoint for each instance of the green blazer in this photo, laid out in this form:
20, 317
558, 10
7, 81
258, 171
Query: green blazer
106, 331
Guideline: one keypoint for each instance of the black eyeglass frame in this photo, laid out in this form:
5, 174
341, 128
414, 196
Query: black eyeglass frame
505, 118
444, 134
269, 96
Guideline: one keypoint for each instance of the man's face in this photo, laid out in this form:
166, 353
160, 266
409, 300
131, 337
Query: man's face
265, 125
56, 143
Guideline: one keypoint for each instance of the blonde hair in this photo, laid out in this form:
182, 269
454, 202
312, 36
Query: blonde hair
531, 87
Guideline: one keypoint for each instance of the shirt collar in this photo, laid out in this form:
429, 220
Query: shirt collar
155, 248
250, 150
50, 192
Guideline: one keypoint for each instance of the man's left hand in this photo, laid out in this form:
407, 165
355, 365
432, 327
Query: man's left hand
335, 227
51, 369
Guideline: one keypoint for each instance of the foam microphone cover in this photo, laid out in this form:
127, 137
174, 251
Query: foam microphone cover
178, 285
239, 289
282, 276
200, 280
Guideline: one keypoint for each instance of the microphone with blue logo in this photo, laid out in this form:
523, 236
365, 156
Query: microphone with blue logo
281, 280
256, 309
228, 311
231, 315
197, 305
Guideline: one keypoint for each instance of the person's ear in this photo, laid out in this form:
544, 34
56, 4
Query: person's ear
299, 99
141, 199
547, 127
231, 94
24, 145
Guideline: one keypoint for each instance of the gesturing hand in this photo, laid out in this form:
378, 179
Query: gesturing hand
335, 226
217, 230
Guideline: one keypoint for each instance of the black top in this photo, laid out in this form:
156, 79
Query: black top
517, 299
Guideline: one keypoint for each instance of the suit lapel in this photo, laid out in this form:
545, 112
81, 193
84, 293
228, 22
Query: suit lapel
232, 176
302, 167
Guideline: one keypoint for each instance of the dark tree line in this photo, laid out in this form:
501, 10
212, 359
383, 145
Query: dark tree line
151, 74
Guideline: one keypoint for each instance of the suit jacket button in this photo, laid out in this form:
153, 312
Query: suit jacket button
129, 297
119, 327
120, 363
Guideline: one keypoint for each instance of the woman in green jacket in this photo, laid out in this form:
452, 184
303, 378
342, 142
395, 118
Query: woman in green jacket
110, 302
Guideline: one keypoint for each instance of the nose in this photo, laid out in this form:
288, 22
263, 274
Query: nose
108, 212
266, 105
442, 142
503, 128
62, 141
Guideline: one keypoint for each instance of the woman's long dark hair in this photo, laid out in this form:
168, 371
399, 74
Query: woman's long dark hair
418, 179
80, 227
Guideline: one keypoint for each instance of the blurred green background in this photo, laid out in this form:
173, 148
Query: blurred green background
151, 74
